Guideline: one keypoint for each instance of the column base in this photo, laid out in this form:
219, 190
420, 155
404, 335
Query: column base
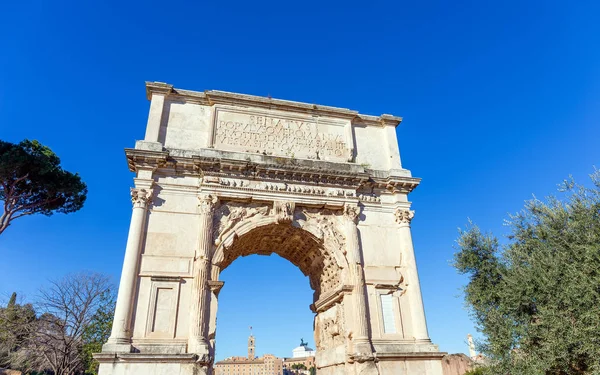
111, 347
199, 348
150, 364
363, 350
117, 345
410, 363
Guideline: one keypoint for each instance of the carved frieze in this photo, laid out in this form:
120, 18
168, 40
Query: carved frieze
222, 164
293, 188
302, 187
369, 198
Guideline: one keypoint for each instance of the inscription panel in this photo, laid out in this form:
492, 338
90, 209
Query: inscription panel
280, 135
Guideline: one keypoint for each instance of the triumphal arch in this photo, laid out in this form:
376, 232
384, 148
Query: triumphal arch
222, 175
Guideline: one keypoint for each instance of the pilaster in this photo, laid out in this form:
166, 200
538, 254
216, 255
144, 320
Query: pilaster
362, 347
409, 266
156, 94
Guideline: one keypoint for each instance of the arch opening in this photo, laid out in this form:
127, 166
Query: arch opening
300, 247
271, 295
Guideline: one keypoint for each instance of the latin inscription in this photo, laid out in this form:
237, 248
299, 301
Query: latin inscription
279, 136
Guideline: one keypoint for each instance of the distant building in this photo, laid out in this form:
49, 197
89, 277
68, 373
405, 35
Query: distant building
300, 355
250, 365
477, 358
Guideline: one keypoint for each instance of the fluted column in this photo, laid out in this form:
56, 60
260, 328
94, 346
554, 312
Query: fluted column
411, 276
120, 337
198, 340
361, 328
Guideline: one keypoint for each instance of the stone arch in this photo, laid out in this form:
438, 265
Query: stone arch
165, 315
313, 239
307, 238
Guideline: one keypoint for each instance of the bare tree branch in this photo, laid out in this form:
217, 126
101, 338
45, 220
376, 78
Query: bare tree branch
67, 307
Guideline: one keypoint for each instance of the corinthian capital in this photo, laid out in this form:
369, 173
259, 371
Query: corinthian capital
141, 197
404, 216
207, 203
351, 212
284, 211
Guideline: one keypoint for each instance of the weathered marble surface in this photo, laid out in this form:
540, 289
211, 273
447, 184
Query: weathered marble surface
222, 175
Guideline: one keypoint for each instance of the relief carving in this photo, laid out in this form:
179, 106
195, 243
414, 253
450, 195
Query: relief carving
284, 211
313, 242
369, 198
322, 225
293, 188
329, 328
229, 215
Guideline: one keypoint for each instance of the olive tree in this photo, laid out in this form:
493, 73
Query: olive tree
536, 299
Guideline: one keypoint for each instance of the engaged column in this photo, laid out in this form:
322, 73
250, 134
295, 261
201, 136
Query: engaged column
413, 290
120, 337
361, 334
198, 342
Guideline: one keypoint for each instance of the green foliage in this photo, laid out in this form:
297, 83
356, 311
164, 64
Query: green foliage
32, 182
313, 370
16, 326
299, 366
74, 319
536, 299
97, 332
475, 371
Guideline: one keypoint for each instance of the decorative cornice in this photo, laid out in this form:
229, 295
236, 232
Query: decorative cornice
212, 97
158, 88
390, 120
144, 158
226, 164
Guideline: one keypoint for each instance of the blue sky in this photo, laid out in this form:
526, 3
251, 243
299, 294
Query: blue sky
501, 100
